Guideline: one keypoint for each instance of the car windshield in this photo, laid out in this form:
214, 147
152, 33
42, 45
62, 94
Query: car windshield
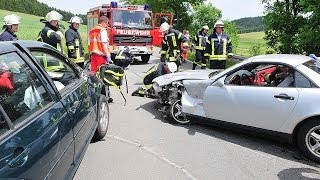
314, 65
132, 19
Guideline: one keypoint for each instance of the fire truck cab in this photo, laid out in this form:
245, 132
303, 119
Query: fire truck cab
130, 25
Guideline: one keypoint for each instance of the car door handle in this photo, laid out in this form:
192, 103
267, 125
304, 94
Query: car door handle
20, 159
284, 96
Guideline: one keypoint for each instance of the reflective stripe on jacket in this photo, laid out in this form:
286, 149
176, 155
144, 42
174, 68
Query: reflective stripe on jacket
51, 35
200, 41
218, 49
74, 45
171, 44
95, 42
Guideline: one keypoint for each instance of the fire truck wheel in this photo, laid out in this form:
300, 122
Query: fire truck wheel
145, 58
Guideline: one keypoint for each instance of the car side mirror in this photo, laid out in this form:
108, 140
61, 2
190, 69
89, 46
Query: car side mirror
220, 82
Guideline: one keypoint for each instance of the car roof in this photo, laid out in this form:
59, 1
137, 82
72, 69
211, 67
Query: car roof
290, 59
6, 46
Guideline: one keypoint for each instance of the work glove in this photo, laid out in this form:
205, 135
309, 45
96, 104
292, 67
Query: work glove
109, 60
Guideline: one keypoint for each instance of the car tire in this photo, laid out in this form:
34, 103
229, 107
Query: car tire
145, 58
103, 118
175, 114
308, 139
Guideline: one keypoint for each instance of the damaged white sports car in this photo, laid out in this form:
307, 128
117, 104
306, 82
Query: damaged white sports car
271, 93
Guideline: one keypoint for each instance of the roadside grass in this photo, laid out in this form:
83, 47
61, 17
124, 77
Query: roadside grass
30, 27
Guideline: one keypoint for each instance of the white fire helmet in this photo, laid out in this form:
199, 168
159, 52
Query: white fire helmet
164, 27
11, 19
53, 15
219, 24
205, 27
76, 19
172, 66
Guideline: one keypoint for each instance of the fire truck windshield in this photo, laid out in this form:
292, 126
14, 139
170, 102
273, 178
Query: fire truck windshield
132, 19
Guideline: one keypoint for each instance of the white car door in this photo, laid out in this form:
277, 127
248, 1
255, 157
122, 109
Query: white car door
255, 106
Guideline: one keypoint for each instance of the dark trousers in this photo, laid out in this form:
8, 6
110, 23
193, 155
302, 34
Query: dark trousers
200, 59
216, 64
122, 62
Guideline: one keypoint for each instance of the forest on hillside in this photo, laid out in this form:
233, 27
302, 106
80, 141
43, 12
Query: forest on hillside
249, 24
36, 8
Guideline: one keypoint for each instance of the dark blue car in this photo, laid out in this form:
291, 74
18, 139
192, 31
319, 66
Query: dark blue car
50, 110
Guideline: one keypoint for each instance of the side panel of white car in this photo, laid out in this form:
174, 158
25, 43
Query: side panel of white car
255, 106
308, 106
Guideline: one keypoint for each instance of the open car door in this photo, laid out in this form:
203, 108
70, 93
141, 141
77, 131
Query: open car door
158, 19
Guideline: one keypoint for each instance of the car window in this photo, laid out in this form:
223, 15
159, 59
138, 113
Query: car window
60, 72
301, 81
3, 124
265, 75
21, 91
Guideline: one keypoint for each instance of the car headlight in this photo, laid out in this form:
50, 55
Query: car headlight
156, 87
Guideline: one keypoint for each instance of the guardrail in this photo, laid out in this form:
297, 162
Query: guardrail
237, 58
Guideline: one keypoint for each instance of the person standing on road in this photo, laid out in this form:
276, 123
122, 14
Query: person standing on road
99, 47
52, 33
171, 44
99, 44
184, 49
200, 41
74, 41
11, 26
218, 47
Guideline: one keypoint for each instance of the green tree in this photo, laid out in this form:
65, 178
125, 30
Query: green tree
310, 31
283, 22
205, 14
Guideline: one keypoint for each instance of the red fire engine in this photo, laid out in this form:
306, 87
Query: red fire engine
130, 25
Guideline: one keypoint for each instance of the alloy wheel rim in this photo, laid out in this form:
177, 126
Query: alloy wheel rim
177, 113
313, 141
103, 116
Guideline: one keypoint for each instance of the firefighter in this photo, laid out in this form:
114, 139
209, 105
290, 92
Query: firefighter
157, 70
11, 26
124, 57
74, 41
219, 47
200, 40
99, 47
171, 44
52, 33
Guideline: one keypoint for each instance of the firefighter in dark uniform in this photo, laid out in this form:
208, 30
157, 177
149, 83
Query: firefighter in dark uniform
171, 44
124, 57
11, 26
157, 70
51, 33
74, 41
200, 41
218, 48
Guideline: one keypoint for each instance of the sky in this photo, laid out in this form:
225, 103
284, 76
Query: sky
231, 9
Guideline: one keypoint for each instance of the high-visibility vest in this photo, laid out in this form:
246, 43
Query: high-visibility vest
96, 45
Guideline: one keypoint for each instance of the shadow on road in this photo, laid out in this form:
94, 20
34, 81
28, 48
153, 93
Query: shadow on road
257, 142
298, 173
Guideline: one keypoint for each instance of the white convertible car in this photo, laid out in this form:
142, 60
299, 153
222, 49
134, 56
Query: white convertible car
276, 94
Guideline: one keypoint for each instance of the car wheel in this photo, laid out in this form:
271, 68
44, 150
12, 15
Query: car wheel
308, 139
103, 118
175, 114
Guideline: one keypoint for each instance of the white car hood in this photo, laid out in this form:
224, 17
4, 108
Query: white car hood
185, 75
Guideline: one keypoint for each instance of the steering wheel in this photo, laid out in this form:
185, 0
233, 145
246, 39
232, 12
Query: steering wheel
245, 79
235, 80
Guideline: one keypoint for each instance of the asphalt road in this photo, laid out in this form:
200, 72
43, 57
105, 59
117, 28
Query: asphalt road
141, 145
